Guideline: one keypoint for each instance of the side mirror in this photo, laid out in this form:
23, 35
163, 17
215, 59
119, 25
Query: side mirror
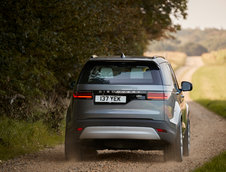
186, 86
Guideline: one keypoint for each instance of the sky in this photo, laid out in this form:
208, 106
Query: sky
205, 14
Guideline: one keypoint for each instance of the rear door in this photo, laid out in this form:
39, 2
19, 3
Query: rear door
180, 98
176, 101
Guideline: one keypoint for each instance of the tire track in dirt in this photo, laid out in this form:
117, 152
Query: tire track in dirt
208, 138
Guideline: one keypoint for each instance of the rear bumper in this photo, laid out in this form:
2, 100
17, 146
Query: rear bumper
134, 129
119, 132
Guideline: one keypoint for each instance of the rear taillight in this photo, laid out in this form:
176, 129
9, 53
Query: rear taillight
83, 95
161, 130
157, 96
79, 129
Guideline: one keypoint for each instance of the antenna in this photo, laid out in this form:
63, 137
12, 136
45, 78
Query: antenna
123, 55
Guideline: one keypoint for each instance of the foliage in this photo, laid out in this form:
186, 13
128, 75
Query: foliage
157, 19
45, 43
193, 49
209, 39
217, 164
176, 59
20, 137
209, 83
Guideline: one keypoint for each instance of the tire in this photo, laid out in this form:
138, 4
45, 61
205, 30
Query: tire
71, 147
75, 151
186, 140
179, 145
175, 150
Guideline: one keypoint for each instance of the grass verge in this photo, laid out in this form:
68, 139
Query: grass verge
217, 164
209, 88
20, 137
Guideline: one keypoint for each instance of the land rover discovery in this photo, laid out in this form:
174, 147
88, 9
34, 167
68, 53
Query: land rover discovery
128, 103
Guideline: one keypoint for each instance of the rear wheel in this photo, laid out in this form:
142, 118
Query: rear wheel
71, 147
186, 144
75, 151
175, 150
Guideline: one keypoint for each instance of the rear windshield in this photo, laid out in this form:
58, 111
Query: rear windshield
137, 73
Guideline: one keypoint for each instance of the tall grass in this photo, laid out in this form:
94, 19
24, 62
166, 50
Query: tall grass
215, 57
177, 59
20, 137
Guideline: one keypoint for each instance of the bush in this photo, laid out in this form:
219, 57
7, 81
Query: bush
44, 44
193, 49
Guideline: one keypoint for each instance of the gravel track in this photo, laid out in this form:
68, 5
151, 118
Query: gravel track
208, 138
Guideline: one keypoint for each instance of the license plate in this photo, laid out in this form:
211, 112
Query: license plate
110, 99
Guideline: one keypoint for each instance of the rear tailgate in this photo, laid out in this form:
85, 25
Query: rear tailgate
120, 101
120, 89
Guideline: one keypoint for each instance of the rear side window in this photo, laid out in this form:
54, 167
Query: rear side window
137, 73
167, 77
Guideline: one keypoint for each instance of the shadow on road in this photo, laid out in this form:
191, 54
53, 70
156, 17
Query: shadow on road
119, 156
131, 156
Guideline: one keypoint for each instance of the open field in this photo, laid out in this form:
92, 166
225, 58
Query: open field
209, 88
210, 82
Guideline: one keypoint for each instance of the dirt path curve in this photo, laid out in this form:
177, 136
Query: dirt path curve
208, 138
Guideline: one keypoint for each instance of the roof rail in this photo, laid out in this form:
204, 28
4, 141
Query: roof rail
93, 56
159, 57
123, 55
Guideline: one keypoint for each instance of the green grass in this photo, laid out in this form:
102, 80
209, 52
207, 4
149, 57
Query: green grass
20, 137
209, 88
217, 164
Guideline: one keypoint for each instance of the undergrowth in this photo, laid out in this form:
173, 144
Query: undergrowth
21, 137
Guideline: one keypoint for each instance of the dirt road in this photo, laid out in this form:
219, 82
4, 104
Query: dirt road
208, 138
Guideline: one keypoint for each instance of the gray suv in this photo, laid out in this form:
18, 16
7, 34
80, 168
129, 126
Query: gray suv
128, 103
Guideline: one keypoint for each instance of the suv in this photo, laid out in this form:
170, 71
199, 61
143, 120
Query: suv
128, 103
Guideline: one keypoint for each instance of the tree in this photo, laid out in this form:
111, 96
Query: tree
193, 49
157, 21
45, 43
